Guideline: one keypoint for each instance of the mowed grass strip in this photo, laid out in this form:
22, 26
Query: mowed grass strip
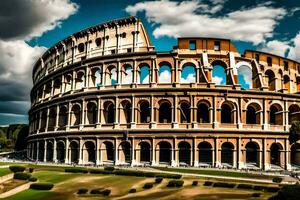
53, 176
215, 173
5, 171
31, 195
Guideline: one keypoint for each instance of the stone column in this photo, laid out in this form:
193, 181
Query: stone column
175, 112
54, 151
37, 150
47, 120
287, 155
195, 153
57, 118
116, 151
265, 162
45, 151
133, 117
265, 116
67, 151
98, 154
80, 160
152, 122
153, 162
217, 159
214, 115
98, 123
83, 114
69, 116
117, 122
133, 162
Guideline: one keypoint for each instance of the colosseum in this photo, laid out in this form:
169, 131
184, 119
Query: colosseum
105, 96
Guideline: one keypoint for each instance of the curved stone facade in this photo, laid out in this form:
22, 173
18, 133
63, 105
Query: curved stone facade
105, 96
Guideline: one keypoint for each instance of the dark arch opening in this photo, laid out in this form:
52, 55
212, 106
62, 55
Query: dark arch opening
227, 115
108, 151
185, 113
164, 153
76, 115
109, 113
92, 113
227, 150
184, 153
126, 150
203, 113
145, 112
252, 153
145, 152
276, 154
205, 152
294, 114
253, 114
60, 152
49, 156
74, 150
63, 118
295, 154
276, 117
165, 112
90, 150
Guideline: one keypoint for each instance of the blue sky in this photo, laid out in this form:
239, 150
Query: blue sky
271, 26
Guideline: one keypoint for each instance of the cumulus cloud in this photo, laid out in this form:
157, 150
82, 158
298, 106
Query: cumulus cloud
254, 24
217, 80
190, 78
165, 77
245, 73
294, 50
20, 22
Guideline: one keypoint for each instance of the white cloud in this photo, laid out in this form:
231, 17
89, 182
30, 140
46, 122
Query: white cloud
217, 80
254, 24
246, 73
128, 78
191, 78
276, 47
294, 52
165, 77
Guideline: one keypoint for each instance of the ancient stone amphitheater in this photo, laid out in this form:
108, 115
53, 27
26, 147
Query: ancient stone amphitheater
105, 96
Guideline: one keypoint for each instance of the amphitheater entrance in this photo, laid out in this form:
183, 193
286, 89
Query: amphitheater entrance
227, 150
205, 153
164, 153
124, 152
276, 150
89, 155
145, 152
295, 155
60, 151
107, 152
49, 152
41, 152
184, 153
252, 154
74, 152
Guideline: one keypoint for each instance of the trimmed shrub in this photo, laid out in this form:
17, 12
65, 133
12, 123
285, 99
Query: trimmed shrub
109, 168
272, 189
22, 176
195, 183
41, 186
258, 187
17, 168
288, 192
223, 184
175, 183
148, 185
31, 170
32, 179
106, 192
208, 183
95, 191
277, 180
82, 191
245, 186
256, 194
132, 190
129, 173
76, 170
172, 176
149, 174
99, 171
158, 179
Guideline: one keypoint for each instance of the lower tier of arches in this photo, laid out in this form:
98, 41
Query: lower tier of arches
238, 153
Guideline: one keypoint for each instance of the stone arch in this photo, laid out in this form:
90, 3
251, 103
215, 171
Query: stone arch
294, 113
41, 150
245, 74
63, 117
165, 111
109, 112
80, 80
165, 72
228, 112
276, 114
43, 120
49, 151
144, 73
74, 151
76, 115
67, 82
184, 153
89, 152
144, 111
271, 80
52, 119
111, 75
286, 83
188, 73
145, 151
125, 152
60, 151
164, 149
276, 154
295, 154
107, 152
227, 154
92, 113
126, 74
96, 77
253, 113
205, 153
219, 73
252, 154
56, 86
185, 112
125, 112
203, 113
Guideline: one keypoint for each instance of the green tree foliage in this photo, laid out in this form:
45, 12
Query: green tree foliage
294, 132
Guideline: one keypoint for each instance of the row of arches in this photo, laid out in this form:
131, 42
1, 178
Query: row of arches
164, 153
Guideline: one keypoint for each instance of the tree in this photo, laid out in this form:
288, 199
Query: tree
294, 132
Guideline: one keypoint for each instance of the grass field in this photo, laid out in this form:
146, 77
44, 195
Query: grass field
4, 171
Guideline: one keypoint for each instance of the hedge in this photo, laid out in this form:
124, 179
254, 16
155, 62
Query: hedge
195, 183
266, 188
148, 185
288, 192
76, 170
225, 185
132, 190
82, 191
99, 171
245, 186
158, 179
17, 168
277, 180
256, 194
109, 168
41, 186
22, 176
175, 183
95, 191
31, 170
32, 179
208, 183
106, 192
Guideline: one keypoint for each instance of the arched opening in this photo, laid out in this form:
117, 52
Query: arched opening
298, 84
184, 153
52, 119
125, 115
68, 83
245, 77
89, 155
41, 153
49, 150
271, 80
47, 91
203, 113
74, 152
125, 152
96, 77
227, 150
165, 112
227, 113
165, 152
185, 112
145, 152
81, 47
75, 117
126, 75
144, 112
111, 75
295, 154
286, 82
275, 151
63, 117
60, 152
252, 154
144, 74
205, 153
253, 114
56, 86
219, 76
109, 112
188, 74
294, 113
108, 152
43, 121
276, 115
165, 75
91, 113
79, 81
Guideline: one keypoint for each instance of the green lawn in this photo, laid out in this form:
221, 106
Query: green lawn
4, 171
215, 173
32, 195
53, 177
